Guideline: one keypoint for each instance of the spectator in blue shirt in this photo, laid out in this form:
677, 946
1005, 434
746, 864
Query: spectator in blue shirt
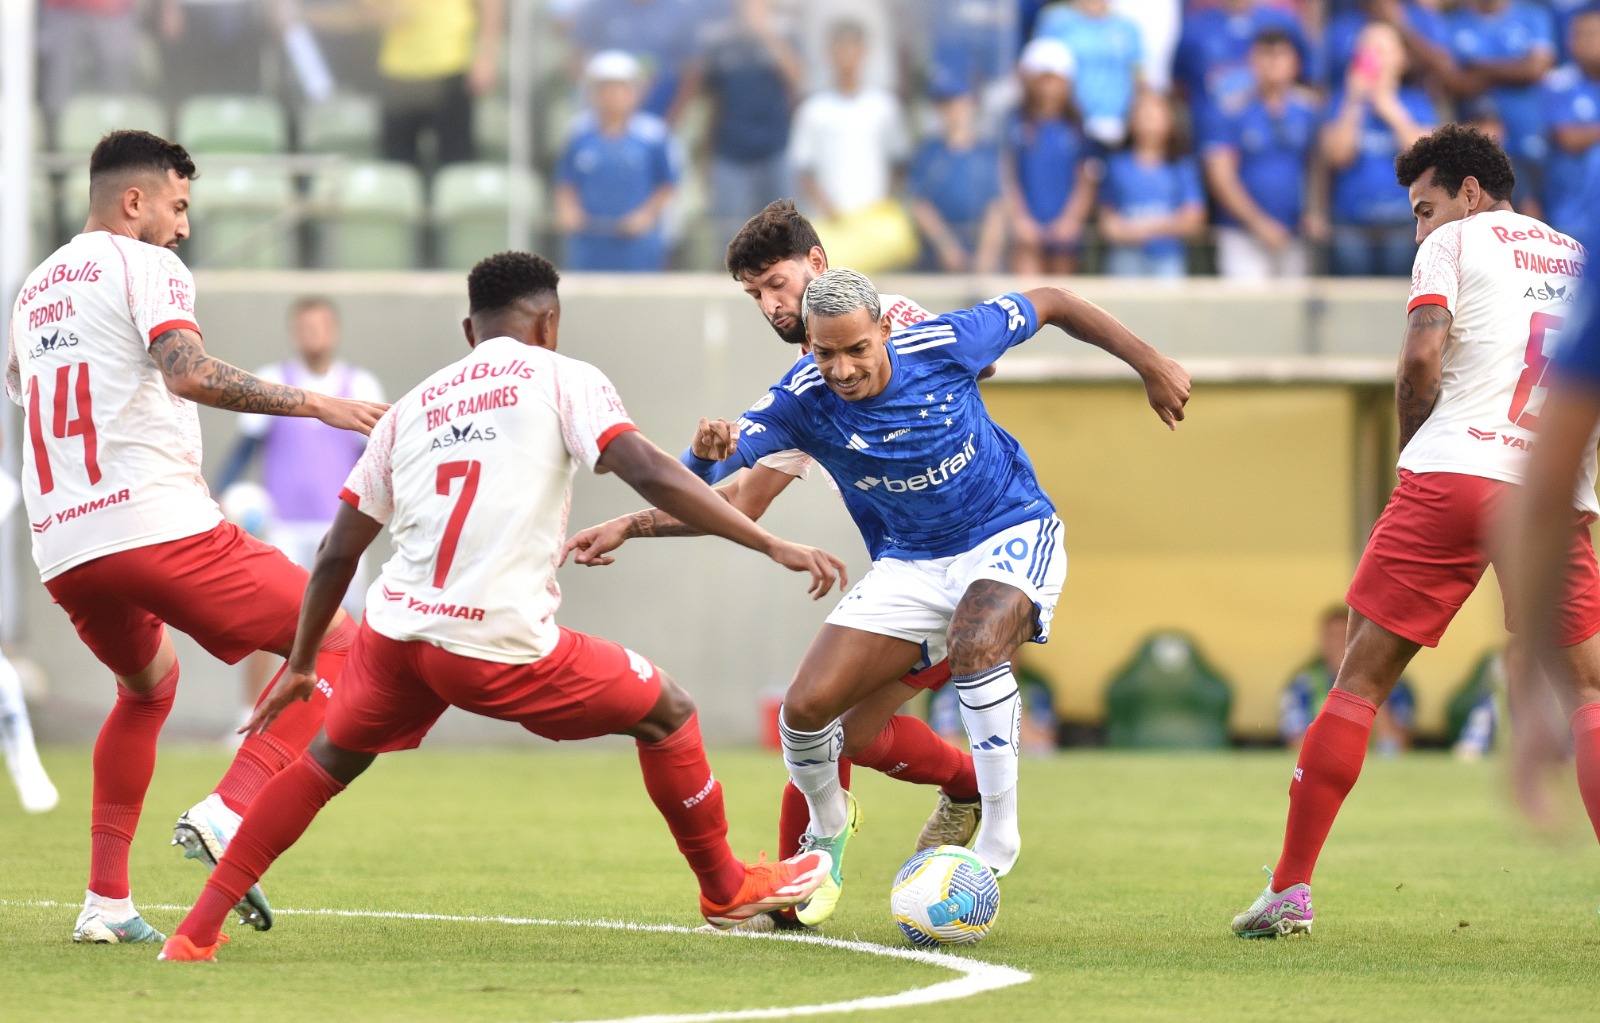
1375, 117
1106, 49
1258, 162
663, 34
1305, 694
972, 37
1151, 200
1572, 111
1047, 181
1212, 62
750, 69
955, 185
616, 175
1422, 24
1565, 11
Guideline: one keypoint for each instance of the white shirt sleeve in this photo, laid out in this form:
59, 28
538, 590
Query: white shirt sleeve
592, 414
803, 143
1436, 273
370, 486
897, 137
791, 462
160, 290
364, 386
254, 424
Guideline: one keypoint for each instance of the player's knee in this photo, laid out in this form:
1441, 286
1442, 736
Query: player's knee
807, 712
673, 709
343, 766
974, 648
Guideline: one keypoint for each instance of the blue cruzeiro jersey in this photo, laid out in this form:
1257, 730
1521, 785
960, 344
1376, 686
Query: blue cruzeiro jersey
923, 470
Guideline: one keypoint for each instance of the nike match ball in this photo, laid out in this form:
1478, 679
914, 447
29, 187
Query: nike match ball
944, 896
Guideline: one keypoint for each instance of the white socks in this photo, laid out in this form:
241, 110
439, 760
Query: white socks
813, 762
16, 739
111, 909
991, 711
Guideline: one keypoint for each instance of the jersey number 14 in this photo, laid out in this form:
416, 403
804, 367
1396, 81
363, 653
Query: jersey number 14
70, 390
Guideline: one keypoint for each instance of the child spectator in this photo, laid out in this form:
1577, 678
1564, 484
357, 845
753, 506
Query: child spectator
1048, 182
1106, 50
847, 139
661, 33
1572, 110
751, 71
1212, 61
616, 175
1151, 202
955, 185
1308, 690
1376, 116
1257, 162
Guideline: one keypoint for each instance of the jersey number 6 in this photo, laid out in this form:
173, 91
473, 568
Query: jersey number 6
62, 427
448, 473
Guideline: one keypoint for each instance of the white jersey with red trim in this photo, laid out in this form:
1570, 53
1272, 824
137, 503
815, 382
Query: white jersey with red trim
902, 312
472, 472
111, 459
1510, 282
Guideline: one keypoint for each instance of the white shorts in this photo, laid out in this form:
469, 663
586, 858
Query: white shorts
299, 542
915, 600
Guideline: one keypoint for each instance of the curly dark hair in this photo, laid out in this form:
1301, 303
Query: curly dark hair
500, 280
1457, 152
131, 150
777, 233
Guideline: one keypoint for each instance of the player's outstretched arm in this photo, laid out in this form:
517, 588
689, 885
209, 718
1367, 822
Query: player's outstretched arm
191, 373
352, 533
1165, 382
664, 482
1416, 383
751, 492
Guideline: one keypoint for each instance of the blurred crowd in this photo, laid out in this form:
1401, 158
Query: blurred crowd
1248, 138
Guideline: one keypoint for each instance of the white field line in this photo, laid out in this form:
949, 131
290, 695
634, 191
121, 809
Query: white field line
976, 976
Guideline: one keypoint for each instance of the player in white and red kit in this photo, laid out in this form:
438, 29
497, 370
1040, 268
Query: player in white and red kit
773, 257
472, 471
107, 361
1491, 292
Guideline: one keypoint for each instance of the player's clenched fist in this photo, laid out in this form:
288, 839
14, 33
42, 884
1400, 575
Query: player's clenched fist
715, 440
349, 414
1167, 385
825, 569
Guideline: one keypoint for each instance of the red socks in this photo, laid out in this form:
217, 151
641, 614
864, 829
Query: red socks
911, 751
681, 785
794, 814
262, 756
124, 760
281, 814
1330, 762
1586, 746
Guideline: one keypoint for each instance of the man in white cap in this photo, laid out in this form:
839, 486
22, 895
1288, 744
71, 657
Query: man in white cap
617, 174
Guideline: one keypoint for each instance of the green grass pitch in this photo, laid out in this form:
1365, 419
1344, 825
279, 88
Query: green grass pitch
1429, 904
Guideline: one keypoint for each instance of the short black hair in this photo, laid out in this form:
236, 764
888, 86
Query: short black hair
778, 232
1457, 152
132, 150
1275, 37
501, 280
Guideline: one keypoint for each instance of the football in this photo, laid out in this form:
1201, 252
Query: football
248, 506
944, 896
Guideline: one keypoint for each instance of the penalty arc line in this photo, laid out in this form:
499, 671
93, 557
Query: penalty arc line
976, 977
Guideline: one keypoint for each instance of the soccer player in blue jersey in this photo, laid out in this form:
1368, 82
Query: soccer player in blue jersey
966, 547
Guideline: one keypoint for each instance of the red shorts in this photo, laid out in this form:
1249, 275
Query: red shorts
1430, 547
229, 591
931, 678
391, 692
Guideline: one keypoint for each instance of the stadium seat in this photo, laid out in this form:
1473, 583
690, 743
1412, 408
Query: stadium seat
243, 217
1167, 697
42, 217
346, 124
470, 204
235, 124
368, 216
491, 126
86, 119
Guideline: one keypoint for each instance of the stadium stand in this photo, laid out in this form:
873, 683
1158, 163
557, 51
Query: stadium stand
471, 202
85, 119
368, 216
243, 217
234, 124
345, 124
1168, 697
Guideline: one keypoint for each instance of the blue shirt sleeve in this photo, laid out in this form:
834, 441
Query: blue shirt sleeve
987, 331
771, 424
567, 168
1541, 25
664, 165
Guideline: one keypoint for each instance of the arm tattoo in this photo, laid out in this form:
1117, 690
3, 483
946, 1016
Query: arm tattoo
220, 385
1415, 396
655, 522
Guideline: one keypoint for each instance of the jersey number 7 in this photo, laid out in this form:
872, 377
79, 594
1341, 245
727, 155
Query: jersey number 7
449, 472
61, 426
